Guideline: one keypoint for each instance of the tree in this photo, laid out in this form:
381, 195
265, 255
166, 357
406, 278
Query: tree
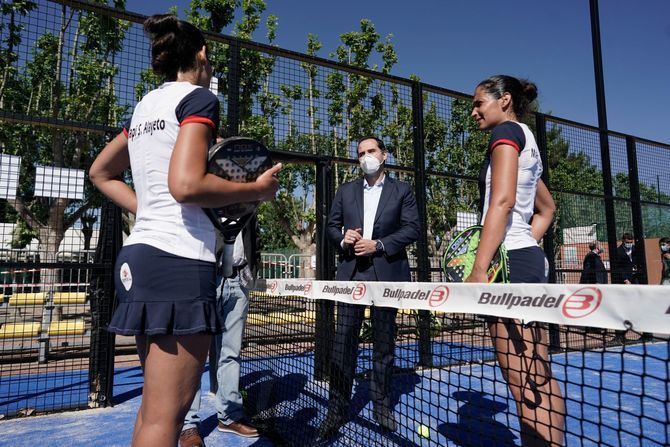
354, 109
59, 84
453, 145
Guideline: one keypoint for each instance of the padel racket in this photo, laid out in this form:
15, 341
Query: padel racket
241, 160
459, 259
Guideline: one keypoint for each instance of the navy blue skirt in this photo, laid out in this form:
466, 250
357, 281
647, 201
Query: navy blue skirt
160, 293
527, 265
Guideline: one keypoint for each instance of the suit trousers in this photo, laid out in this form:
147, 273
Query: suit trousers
345, 353
345, 350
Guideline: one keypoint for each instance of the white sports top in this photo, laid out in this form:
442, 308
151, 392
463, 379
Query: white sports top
519, 136
162, 222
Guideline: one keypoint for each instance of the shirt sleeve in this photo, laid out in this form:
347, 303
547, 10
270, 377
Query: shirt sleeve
199, 106
509, 133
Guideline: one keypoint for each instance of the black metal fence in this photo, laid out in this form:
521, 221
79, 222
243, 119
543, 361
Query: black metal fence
71, 72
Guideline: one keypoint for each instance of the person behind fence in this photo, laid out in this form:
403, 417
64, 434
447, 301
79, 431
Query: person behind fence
593, 269
371, 222
626, 262
232, 305
517, 210
664, 246
165, 274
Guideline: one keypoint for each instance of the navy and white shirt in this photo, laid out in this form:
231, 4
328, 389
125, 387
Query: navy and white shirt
162, 222
519, 136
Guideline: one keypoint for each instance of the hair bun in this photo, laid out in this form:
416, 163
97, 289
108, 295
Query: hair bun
529, 90
160, 24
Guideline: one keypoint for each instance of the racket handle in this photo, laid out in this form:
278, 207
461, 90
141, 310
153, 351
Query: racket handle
227, 261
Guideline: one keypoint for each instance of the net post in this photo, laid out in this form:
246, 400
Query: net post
423, 263
324, 330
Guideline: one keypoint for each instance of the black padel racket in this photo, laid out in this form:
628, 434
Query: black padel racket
241, 160
459, 259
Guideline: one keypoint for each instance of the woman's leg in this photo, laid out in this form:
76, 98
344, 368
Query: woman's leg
523, 356
172, 371
141, 343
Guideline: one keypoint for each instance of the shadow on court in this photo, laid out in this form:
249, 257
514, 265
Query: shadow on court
476, 426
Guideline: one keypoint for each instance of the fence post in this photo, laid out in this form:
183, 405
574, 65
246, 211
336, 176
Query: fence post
232, 129
610, 217
548, 242
233, 106
324, 330
422, 261
636, 208
101, 300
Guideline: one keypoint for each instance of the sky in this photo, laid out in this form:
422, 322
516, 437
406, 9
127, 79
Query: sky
457, 43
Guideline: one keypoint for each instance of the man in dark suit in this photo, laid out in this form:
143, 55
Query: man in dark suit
593, 270
371, 223
626, 262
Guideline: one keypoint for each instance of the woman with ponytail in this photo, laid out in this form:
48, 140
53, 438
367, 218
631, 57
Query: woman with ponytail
517, 210
165, 274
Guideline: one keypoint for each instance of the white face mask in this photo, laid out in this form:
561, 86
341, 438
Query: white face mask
370, 164
665, 248
628, 246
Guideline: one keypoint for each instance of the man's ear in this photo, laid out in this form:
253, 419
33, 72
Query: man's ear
385, 155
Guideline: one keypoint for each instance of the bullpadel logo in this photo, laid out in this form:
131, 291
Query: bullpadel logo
359, 292
438, 296
273, 286
304, 288
583, 302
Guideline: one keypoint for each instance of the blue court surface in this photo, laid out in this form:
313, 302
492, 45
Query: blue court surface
613, 398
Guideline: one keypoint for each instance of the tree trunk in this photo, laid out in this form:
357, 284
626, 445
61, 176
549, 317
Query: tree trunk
8, 66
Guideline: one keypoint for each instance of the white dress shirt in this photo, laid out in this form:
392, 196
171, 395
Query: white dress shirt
371, 196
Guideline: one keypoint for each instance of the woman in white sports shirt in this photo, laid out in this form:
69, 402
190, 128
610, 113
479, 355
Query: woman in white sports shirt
165, 273
517, 211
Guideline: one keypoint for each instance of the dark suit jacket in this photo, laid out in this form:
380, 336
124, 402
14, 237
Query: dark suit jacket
593, 270
396, 225
625, 268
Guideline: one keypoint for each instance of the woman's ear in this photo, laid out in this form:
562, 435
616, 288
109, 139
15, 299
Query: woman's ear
505, 100
202, 55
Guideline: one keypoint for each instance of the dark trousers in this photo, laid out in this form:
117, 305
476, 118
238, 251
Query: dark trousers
345, 353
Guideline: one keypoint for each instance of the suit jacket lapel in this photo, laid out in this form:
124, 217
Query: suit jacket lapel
387, 191
358, 197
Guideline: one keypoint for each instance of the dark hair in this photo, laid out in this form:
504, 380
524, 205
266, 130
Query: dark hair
627, 236
663, 240
523, 91
174, 44
380, 143
593, 245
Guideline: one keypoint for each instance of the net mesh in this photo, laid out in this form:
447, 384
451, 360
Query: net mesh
614, 383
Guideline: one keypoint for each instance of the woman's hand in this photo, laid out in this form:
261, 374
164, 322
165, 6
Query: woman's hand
268, 183
477, 276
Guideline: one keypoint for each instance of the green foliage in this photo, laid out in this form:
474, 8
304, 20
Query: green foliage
453, 145
59, 81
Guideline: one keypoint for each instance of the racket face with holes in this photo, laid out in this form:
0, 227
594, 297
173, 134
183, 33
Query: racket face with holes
459, 258
241, 160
